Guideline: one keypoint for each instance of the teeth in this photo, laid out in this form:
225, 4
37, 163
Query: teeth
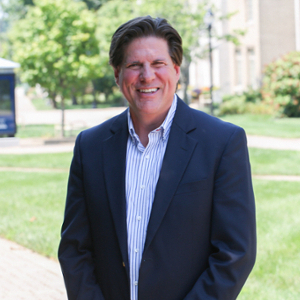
148, 90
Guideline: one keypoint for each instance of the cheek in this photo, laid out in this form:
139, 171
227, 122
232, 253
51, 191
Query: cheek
129, 77
169, 76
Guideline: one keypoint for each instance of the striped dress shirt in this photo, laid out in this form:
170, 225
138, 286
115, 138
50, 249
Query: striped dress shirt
142, 171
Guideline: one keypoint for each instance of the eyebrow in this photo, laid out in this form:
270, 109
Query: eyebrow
138, 62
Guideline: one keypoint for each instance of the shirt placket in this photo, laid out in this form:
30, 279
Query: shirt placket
141, 208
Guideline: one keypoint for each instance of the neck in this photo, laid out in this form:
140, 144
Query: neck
143, 125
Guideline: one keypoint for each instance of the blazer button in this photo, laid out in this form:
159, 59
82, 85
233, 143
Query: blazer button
123, 264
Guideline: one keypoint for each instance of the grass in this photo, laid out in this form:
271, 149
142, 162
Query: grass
274, 162
33, 131
276, 274
32, 206
44, 104
41, 104
266, 125
263, 161
253, 125
32, 216
43, 160
43, 131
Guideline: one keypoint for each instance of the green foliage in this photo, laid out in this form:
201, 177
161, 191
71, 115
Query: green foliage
56, 46
93, 4
281, 84
113, 13
249, 102
232, 105
13, 10
106, 83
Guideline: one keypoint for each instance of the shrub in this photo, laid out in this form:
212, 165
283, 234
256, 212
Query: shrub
233, 105
249, 102
281, 84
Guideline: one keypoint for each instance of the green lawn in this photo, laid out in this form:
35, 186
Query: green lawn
253, 124
33, 131
266, 125
32, 206
276, 274
43, 160
274, 162
43, 131
263, 161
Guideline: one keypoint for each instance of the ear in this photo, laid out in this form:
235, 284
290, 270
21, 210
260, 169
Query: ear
117, 73
177, 71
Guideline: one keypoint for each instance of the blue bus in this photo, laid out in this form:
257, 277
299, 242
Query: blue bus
7, 105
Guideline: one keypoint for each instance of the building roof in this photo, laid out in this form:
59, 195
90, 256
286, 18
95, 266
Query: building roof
7, 65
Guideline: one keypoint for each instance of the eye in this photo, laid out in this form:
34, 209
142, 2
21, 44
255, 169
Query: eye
159, 64
133, 66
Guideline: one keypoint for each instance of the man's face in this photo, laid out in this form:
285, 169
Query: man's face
148, 77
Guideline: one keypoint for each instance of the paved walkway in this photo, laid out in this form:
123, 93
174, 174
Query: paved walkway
25, 275
75, 118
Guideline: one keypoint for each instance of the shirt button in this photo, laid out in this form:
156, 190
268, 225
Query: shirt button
142, 187
139, 218
147, 156
135, 283
136, 250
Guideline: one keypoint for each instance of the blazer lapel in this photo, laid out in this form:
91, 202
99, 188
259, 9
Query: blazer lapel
178, 153
114, 169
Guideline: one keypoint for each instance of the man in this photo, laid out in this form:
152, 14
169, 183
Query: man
160, 203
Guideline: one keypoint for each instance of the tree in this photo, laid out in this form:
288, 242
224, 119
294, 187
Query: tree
57, 47
10, 11
281, 84
94, 4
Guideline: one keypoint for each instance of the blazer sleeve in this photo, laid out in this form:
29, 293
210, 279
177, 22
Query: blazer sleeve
75, 250
233, 229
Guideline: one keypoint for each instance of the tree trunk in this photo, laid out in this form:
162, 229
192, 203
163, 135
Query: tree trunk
62, 118
74, 100
185, 77
94, 99
94, 105
53, 100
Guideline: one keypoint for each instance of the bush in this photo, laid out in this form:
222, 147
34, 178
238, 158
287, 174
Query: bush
281, 85
232, 105
249, 102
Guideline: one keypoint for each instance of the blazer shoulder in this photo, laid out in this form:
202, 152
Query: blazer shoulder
106, 129
198, 122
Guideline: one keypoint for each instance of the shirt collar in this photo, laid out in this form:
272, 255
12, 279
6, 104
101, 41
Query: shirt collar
164, 128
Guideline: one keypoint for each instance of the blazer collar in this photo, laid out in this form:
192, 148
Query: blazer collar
177, 156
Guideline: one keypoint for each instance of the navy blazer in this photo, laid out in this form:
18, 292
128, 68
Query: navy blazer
201, 236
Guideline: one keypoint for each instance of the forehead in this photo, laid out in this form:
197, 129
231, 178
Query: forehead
147, 48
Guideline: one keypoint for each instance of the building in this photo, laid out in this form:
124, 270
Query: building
272, 29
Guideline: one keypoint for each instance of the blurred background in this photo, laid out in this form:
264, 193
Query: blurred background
241, 64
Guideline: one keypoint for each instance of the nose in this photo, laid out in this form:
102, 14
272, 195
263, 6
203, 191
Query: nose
147, 73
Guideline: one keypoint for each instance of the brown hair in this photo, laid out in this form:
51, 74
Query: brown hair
144, 27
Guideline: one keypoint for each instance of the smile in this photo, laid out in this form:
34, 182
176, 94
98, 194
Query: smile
148, 90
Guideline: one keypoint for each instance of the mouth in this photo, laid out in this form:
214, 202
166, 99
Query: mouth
148, 91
